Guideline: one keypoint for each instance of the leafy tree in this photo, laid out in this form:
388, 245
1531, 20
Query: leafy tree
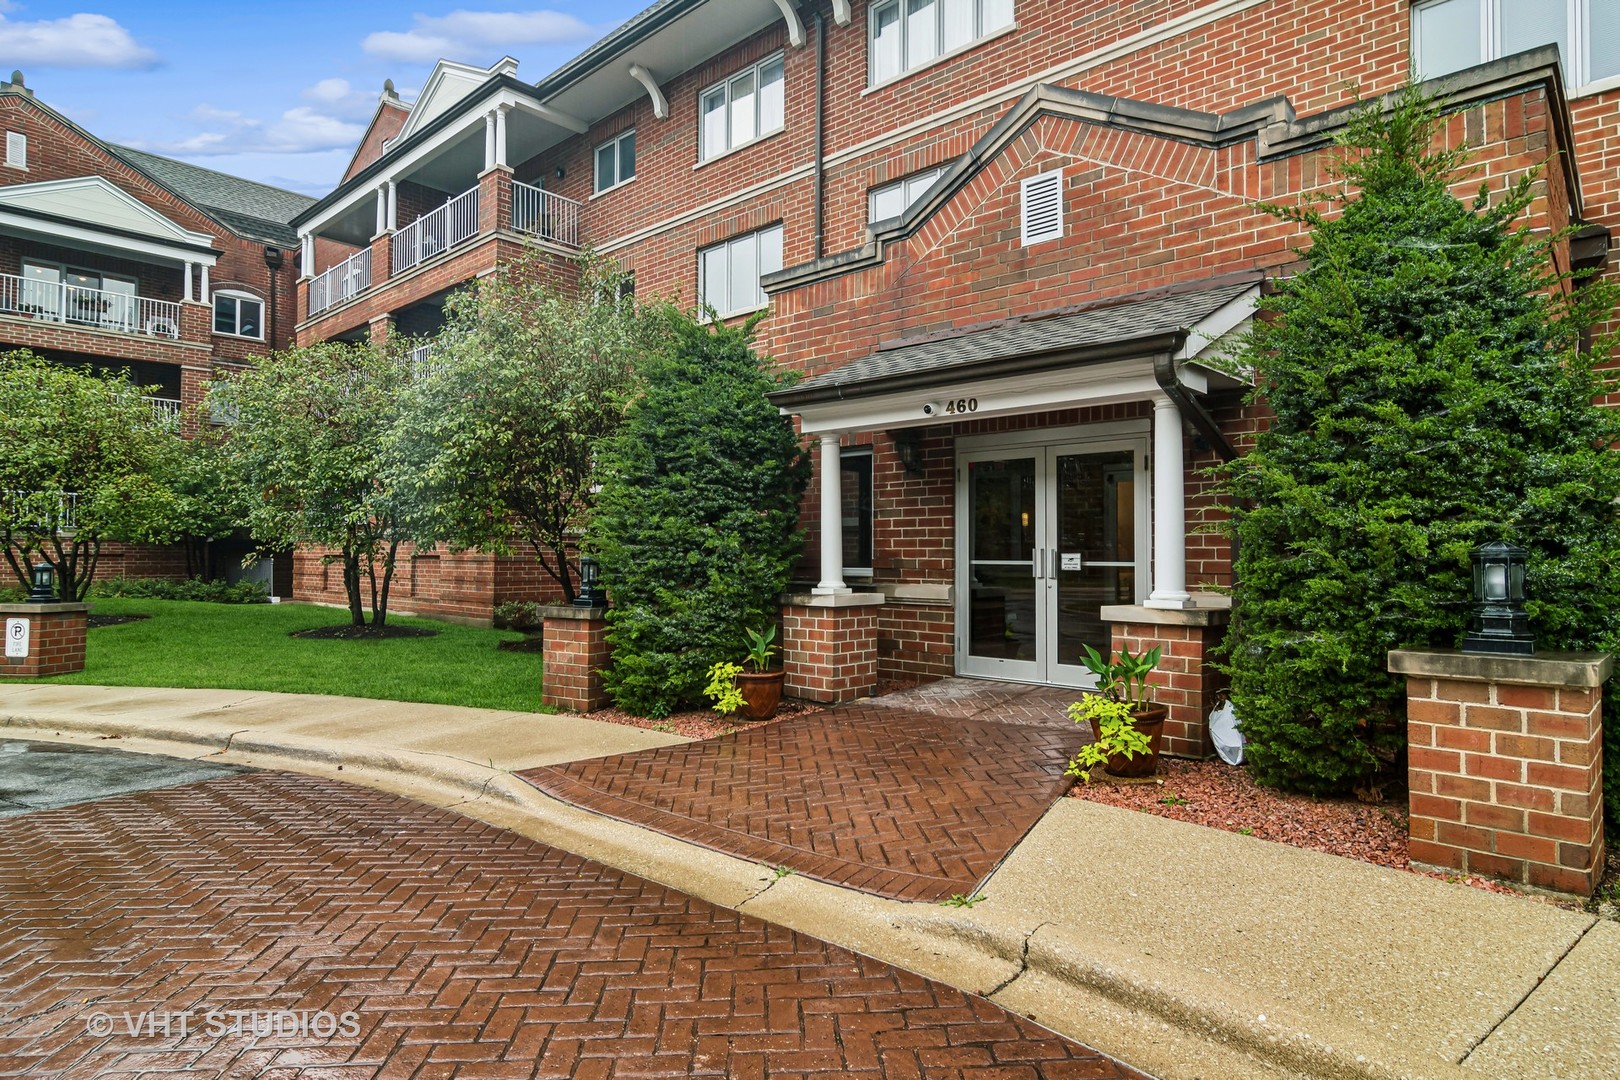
526, 378
696, 525
1430, 393
78, 457
197, 501
307, 451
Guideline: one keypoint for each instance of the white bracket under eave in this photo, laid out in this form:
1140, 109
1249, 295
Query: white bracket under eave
645, 78
841, 14
794, 26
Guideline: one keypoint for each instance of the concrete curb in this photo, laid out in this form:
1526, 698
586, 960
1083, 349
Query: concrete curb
1202, 1027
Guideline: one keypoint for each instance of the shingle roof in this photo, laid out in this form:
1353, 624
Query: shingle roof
1121, 323
246, 207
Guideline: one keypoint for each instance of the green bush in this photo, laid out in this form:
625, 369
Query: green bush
213, 592
521, 615
1430, 394
696, 527
12, 595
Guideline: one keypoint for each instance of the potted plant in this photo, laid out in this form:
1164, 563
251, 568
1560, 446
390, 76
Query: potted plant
1126, 725
749, 688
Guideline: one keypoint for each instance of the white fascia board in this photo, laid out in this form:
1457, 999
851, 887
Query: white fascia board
1013, 395
89, 196
57, 230
1218, 323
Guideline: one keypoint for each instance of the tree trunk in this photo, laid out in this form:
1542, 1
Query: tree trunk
560, 573
351, 586
379, 612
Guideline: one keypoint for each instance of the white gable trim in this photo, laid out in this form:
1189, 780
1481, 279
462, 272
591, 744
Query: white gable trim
447, 86
92, 201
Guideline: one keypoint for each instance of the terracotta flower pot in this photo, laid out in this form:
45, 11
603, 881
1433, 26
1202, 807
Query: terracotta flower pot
1150, 722
762, 693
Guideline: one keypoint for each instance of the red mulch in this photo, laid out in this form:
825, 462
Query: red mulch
704, 724
1221, 796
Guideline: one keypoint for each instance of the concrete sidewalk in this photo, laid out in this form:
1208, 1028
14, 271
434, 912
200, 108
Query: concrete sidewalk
1186, 951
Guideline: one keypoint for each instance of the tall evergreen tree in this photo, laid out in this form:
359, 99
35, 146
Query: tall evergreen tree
1430, 393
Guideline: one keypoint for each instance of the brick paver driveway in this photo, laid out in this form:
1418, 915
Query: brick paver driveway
443, 946
917, 796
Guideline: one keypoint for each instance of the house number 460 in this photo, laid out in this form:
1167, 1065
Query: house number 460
962, 405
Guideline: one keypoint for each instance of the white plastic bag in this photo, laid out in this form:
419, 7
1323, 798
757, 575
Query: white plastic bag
1225, 734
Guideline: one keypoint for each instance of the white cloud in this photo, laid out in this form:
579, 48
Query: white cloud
474, 35
77, 41
304, 129
336, 97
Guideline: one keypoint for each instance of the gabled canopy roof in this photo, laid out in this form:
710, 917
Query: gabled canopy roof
449, 84
92, 208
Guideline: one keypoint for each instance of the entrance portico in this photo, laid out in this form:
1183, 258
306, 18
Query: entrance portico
1052, 525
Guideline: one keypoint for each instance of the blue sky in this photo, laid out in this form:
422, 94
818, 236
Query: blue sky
279, 92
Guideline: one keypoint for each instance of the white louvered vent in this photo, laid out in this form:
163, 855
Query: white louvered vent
17, 149
1043, 208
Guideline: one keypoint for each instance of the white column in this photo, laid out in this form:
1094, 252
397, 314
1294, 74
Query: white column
393, 207
306, 263
1169, 510
188, 282
382, 210
832, 519
489, 139
500, 134
204, 296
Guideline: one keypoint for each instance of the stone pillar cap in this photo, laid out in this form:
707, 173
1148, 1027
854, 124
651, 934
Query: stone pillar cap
1539, 669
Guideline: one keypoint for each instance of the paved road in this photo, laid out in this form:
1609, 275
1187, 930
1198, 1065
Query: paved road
274, 925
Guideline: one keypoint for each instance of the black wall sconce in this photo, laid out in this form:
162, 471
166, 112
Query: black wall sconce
908, 448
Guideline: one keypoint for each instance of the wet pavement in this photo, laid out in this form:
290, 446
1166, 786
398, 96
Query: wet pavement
38, 776
913, 796
276, 925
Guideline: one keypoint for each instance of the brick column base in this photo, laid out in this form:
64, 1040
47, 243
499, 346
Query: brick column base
1185, 681
1505, 765
55, 634
829, 646
576, 651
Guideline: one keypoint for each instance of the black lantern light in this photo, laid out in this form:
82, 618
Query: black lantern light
590, 585
1500, 623
44, 585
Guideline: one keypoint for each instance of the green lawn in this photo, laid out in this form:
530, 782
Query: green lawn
247, 647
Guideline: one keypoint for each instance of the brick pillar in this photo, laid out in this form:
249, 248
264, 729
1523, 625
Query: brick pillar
193, 389
1185, 680
382, 258
494, 199
1505, 765
576, 651
52, 639
829, 646
196, 322
379, 329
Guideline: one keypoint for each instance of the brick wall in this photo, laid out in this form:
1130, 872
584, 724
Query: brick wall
1506, 780
56, 639
576, 651
829, 651
1185, 681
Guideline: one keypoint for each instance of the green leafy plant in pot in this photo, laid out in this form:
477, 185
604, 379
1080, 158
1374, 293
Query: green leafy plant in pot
749, 688
1126, 725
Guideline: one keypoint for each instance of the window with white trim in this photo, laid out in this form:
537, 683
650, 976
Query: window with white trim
616, 161
749, 105
1450, 35
729, 273
855, 496
239, 314
892, 200
17, 150
903, 35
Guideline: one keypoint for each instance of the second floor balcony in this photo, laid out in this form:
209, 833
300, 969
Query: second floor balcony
119, 309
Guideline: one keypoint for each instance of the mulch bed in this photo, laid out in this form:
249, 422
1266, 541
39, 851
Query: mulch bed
533, 643
358, 633
113, 620
705, 724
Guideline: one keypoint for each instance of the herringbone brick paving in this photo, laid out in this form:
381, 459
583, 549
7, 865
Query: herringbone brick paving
876, 795
465, 951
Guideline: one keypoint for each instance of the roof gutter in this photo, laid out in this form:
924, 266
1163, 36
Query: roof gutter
1191, 409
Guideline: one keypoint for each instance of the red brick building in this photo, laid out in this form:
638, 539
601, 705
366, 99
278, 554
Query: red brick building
114, 259
1002, 238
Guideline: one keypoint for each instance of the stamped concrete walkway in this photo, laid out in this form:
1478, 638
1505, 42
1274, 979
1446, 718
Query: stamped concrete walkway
907, 797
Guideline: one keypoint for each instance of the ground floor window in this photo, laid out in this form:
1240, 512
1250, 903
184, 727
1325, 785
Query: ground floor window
856, 492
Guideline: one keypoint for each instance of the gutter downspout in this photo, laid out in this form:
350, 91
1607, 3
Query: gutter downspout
1191, 410
821, 96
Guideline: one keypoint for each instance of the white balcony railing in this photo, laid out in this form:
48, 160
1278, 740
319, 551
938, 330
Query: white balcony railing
545, 214
46, 511
165, 410
441, 230
340, 282
101, 309
422, 365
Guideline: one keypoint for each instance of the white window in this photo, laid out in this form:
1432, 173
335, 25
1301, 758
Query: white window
729, 273
239, 315
1450, 35
16, 149
616, 161
906, 34
892, 200
747, 106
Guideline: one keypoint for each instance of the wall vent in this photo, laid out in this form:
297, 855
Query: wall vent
1042, 207
17, 149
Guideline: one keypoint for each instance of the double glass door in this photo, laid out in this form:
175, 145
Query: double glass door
1047, 536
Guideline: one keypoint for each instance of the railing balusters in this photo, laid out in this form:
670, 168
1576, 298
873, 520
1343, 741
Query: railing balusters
100, 309
545, 214
436, 231
348, 278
